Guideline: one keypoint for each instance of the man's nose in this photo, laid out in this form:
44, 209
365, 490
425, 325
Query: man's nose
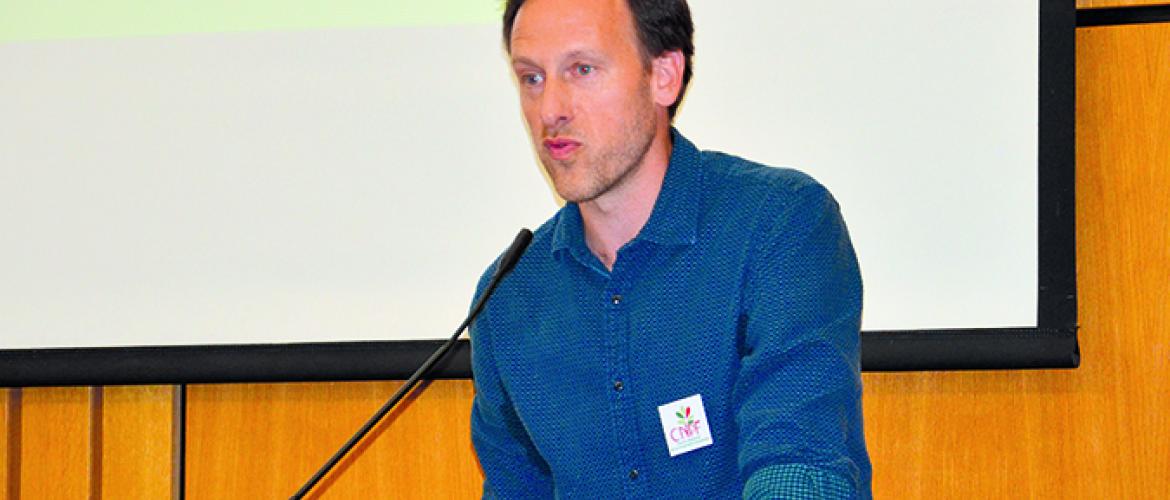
556, 104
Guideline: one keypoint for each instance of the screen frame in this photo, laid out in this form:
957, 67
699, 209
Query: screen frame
1052, 343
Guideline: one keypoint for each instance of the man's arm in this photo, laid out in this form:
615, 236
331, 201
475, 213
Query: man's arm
511, 465
799, 388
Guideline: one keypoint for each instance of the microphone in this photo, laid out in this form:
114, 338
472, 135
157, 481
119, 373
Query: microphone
507, 262
512, 255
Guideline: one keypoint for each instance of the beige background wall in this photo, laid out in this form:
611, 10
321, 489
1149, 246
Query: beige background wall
1101, 431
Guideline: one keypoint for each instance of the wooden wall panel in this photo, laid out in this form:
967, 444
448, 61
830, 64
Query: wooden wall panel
56, 449
138, 446
265, 440
87, 442
1090, 4
9, 442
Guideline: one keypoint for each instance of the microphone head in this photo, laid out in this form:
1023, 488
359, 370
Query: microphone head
512, 255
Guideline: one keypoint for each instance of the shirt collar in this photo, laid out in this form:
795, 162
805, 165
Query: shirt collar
674, 220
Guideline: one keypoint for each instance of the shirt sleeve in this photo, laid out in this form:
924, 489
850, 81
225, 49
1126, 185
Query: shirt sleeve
798, 391
512, 467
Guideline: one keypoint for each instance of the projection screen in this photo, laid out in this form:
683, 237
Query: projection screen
303, 190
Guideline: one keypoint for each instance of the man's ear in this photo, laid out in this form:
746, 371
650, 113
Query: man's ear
666, 74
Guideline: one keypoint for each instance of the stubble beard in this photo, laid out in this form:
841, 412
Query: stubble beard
605, 170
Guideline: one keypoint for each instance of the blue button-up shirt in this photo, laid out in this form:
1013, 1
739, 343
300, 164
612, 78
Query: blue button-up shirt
742, 287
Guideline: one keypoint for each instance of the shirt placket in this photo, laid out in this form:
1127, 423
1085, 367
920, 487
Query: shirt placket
622, 403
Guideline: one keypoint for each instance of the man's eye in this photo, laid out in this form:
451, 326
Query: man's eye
583, 69
532, 78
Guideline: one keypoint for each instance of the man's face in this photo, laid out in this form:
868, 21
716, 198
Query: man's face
585, 92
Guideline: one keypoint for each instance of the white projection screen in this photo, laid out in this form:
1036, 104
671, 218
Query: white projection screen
300, 190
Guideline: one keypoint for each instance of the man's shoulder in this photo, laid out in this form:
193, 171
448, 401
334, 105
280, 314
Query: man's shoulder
541, 245
732, 177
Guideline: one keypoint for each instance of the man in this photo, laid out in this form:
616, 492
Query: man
686, 326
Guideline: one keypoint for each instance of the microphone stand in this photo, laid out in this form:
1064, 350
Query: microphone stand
507, 262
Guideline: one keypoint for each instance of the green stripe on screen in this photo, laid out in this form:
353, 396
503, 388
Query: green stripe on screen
49, 19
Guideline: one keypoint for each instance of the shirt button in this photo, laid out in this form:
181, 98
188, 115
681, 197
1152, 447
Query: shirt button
617, 299
633, 474
618, 385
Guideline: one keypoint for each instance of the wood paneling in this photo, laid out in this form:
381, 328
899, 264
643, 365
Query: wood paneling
1101, 431
56, 450
87, 442
1087, 4
9, 442
265, 440
138, 446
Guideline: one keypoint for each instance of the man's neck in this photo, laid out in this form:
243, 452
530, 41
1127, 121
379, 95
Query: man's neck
614, 218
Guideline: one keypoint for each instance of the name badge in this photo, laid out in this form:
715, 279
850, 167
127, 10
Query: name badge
684, 425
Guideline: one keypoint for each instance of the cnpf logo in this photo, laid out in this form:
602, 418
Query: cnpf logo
684, 426
688, 427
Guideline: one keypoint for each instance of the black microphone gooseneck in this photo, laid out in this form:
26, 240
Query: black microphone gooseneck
507, 262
